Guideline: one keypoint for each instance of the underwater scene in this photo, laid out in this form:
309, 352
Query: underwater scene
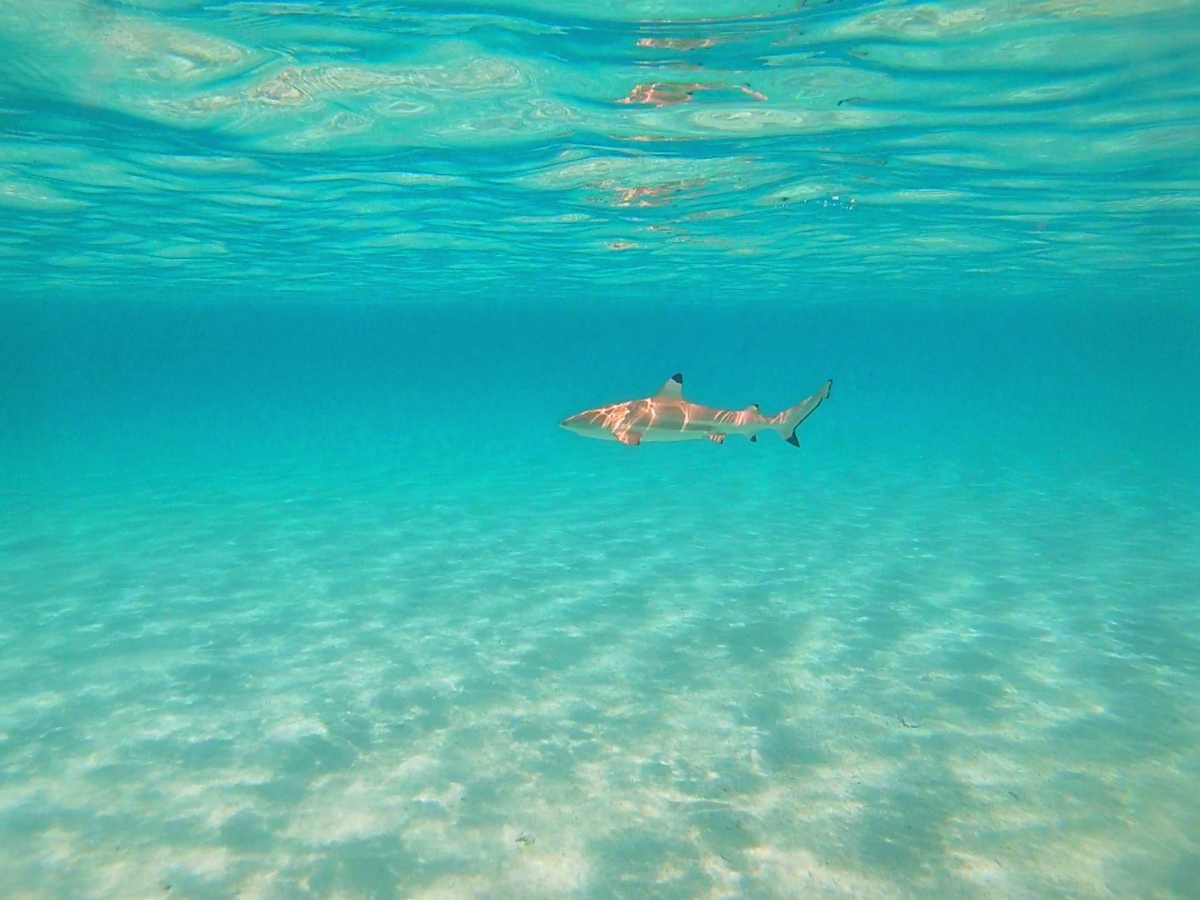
646, 449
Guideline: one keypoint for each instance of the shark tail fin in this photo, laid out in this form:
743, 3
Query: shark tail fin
789, 420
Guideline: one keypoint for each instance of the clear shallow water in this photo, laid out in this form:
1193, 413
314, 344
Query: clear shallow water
382, 642
303, 594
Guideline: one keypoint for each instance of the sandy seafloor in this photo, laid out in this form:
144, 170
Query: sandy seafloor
565, 670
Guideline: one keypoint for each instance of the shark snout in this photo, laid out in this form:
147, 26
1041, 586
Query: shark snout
578, 420
580, 423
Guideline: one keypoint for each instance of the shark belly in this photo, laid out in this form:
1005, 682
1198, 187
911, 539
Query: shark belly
675, 428
672, 435
662, 423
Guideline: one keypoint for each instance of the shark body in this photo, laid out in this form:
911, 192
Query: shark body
667, 416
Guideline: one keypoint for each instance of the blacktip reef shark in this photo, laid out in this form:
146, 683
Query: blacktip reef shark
668, 417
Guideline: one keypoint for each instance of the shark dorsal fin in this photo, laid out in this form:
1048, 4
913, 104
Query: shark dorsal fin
672, 390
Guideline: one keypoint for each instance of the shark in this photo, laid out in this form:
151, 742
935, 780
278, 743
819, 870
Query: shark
667, 416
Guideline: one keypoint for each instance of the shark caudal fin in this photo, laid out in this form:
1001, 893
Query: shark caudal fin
789, 420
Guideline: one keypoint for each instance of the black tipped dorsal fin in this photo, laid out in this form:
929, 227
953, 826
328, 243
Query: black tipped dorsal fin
672, 390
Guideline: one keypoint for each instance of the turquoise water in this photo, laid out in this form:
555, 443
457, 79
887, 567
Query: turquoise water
304, 594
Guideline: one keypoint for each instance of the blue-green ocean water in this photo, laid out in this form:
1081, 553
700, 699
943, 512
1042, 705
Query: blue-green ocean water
304, 594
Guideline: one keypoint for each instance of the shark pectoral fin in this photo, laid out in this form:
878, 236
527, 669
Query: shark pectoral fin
716, 438
628, 438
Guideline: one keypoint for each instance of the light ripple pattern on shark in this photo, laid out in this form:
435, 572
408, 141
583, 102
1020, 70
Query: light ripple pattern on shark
667, 416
